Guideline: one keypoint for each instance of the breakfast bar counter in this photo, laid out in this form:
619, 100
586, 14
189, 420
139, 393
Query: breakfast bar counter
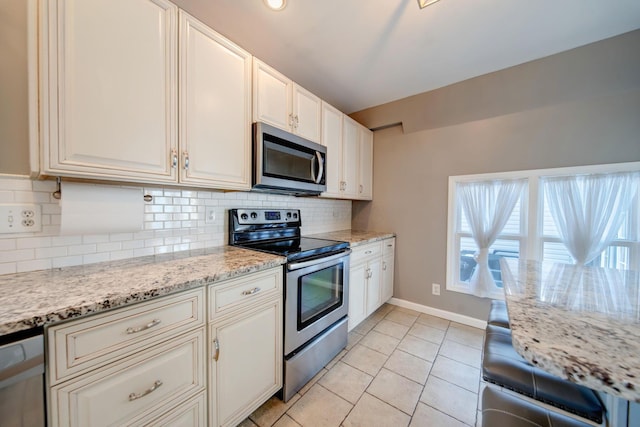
579, 323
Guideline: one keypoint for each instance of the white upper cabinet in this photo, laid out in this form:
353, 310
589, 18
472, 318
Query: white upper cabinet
350, 157
332, 139
281, 103
365, 167
215, 108
109, 89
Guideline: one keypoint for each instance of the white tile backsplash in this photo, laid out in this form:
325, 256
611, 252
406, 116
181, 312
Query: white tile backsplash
174, 221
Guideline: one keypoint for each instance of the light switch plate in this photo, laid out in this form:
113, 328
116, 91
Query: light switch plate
20, 218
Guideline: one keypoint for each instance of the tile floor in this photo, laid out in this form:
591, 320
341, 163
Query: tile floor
400, 368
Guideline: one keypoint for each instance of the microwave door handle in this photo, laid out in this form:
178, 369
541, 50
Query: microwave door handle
320, 168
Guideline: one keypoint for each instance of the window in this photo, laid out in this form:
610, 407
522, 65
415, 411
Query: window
531, 232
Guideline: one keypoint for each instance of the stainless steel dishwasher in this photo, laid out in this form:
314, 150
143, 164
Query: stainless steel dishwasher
22, 394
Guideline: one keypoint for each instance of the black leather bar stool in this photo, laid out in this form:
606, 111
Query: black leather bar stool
502, 365
498, 314
506, 410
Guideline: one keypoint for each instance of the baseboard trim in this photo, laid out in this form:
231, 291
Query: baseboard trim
454, 317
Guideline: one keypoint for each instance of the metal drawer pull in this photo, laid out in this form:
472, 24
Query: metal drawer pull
153, 388
216, 346
384, 265
251, 291
149, 325
367, 252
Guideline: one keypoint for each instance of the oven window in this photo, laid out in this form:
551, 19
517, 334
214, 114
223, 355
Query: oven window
319, 293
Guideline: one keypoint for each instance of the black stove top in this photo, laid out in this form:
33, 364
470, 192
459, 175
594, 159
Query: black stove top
277, 231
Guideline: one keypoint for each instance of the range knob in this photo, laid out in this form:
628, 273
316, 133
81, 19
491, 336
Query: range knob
254, 215
295, 215
288, 214
244, 216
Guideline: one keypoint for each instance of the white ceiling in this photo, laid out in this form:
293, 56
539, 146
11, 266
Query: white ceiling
357, 54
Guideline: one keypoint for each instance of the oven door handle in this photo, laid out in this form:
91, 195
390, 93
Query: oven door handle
303, 264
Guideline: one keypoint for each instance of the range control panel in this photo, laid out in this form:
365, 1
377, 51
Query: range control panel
267, 216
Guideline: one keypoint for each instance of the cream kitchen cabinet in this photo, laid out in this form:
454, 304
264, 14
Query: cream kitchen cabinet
214, 108
134, 90
129, 366
388, 261
282, 103
245, 345
370, 279
349, 156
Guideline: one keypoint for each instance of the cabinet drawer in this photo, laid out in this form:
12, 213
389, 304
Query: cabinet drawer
238, 293
88, 343
192, 413
364, 252
136, 388
389, 246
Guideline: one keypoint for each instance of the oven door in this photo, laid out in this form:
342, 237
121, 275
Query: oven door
317, 296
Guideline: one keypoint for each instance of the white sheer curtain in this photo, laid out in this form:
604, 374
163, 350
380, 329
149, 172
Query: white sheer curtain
588, 210
487, 206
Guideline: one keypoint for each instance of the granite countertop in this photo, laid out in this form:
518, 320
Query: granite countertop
579, 323
354, 237
33, 299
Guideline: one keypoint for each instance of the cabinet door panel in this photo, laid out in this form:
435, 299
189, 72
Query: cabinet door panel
307, 112
271, 96
350, 157
387, 278
357, 295
365, 187
215, 113
249, 366
373, 285
332, 139
111, 89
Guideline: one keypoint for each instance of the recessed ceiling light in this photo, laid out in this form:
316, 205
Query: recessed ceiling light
275, 4
425, 3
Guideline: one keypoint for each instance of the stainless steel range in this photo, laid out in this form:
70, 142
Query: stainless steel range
316, 288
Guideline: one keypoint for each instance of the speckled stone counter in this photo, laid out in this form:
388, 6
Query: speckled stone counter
582, 324
354, 237
37, 298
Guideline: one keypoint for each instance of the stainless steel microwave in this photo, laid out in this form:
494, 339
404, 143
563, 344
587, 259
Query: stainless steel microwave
285, 163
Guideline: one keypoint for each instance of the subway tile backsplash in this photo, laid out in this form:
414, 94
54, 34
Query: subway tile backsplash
173, 221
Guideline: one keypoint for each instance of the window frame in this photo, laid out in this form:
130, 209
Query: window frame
532, 216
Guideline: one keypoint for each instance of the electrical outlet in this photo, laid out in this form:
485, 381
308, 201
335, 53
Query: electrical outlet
16, 218
210, 215
435, 289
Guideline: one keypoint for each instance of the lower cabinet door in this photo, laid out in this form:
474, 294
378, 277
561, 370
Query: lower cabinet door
246, 362
387, 277
135, 389
374, 296
357, 294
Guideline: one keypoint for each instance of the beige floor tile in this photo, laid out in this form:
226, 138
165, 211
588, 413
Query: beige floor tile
319, 408
352, 339
247, 423
380, 342
346, 381
409, 366
365, 326
463, 334
271, 410
423, 349
427, 333
450, 399
462, 353
396, 390
312, 381
336, 359
407, 310
479, 419
456, 373
392, 329
402, 317
370, 412
286, 421
385, 308
426, 416
365, 359
433, 321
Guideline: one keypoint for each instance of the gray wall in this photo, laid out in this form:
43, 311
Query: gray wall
576, 108
14, 128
